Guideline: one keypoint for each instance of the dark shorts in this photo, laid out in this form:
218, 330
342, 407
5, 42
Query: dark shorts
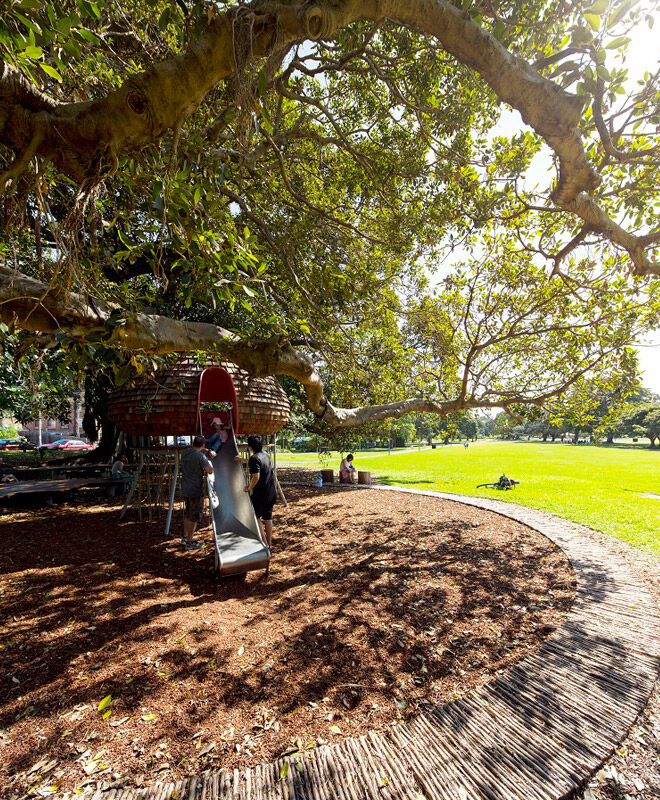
193, 508
262, 508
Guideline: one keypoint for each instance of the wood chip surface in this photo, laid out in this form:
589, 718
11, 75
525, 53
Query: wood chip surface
376, 604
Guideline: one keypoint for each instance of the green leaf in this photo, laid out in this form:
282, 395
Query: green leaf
107, 700
620, 41
88, 36
51, 71
620, 12
107, 713
165, 17
499, 30
33, 27
64, 24
285, 770
32, 51
593, 20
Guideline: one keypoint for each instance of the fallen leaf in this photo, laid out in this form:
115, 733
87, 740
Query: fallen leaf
207, 749
335, 729
107, 700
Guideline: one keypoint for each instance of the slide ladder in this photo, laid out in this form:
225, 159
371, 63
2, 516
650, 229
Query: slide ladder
239, 545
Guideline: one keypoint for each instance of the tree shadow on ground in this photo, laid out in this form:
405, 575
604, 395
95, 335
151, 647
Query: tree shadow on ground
380, 602
389, 480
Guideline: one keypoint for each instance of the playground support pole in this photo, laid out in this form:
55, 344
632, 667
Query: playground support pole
129, 496
175, 475
278, 488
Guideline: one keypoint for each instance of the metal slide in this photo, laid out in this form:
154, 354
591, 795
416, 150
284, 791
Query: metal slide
239, 546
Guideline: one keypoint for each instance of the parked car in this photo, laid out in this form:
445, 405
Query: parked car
68, 444
15, 444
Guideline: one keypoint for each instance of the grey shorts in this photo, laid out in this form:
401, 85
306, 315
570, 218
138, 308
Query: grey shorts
193, 508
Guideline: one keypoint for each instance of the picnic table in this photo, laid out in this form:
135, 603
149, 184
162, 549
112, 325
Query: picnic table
60, 487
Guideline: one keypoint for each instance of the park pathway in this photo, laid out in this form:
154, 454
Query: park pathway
535, 732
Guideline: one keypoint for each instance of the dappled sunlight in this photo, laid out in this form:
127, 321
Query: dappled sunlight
375, 605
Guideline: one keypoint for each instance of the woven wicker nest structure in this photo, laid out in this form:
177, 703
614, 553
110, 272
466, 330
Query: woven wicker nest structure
172, 402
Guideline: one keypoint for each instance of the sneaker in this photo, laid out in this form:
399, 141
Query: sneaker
194, 545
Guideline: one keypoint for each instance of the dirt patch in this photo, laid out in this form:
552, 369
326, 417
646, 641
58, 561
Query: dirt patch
376, 603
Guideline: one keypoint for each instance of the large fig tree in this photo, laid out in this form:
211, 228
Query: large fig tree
332, 191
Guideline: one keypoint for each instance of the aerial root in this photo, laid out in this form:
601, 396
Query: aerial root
21, 162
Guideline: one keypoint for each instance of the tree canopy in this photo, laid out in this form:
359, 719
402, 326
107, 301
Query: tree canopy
327, 191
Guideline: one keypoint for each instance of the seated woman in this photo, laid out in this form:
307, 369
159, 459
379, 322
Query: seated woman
117, 471
347, 472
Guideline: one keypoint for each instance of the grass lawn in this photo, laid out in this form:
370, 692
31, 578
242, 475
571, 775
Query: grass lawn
597, 486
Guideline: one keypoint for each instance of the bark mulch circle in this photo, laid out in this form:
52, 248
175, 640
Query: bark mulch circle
376, 604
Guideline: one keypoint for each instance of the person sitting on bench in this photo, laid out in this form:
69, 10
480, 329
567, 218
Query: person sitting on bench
347, 470
117, 471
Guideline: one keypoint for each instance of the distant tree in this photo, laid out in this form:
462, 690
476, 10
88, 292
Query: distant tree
32, 389
485, 425
467, 427
641, 419
427, 427
591, 403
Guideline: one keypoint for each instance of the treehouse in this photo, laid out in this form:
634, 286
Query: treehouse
182, 399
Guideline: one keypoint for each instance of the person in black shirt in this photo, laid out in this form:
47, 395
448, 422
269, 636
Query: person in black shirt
261, 486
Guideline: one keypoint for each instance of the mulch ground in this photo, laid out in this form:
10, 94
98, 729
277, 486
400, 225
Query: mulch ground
376, 604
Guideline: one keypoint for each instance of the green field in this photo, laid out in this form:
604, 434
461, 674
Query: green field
598, 486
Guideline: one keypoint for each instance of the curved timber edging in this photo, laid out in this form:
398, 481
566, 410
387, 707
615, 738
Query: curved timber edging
537, 731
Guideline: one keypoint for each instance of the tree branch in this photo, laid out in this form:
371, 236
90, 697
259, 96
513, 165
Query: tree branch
84, 140
35, 306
